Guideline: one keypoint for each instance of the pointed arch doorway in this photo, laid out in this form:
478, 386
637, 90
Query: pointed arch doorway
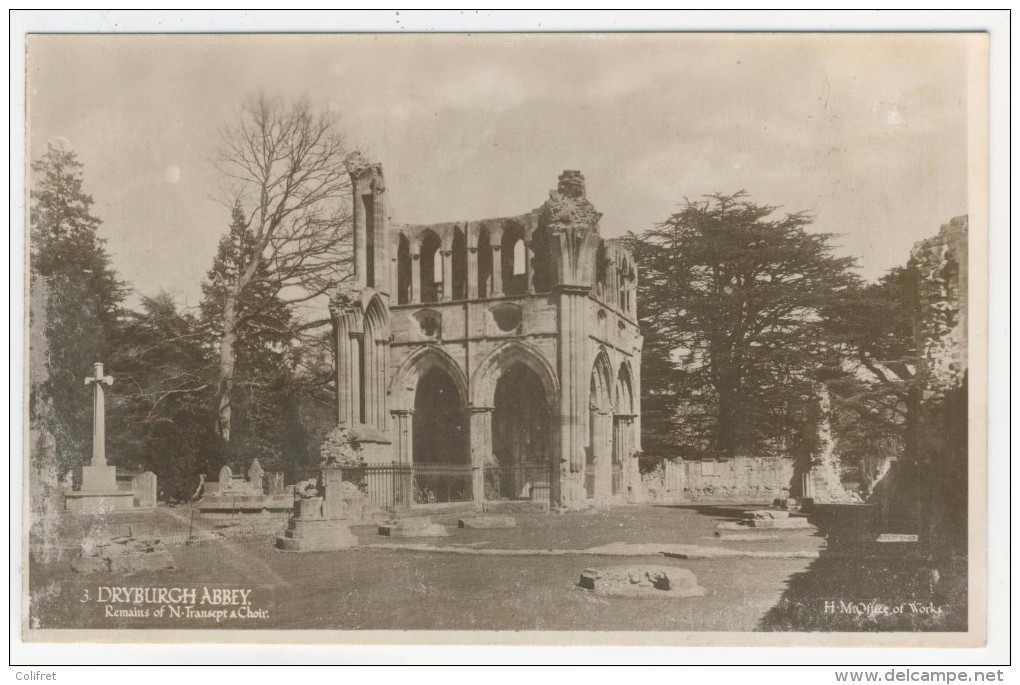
521, 438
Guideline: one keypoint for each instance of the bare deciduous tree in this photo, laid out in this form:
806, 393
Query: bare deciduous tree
284, 166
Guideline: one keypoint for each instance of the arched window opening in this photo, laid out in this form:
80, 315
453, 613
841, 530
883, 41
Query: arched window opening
431, 267
514, 255
520, 258
624, 392
459, 266
403, 270
622, 285
600, 434
484, 264
542, 275
601, 271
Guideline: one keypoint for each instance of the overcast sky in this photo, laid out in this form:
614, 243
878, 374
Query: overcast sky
867, 132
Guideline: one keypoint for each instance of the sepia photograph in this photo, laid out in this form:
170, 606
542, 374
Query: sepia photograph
551, 338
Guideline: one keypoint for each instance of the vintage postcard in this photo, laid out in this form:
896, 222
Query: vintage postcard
565, 338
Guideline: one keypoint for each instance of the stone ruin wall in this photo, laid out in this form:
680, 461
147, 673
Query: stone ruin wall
741, 479
940, 328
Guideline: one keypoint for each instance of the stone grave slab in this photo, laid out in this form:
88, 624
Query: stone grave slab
642, 581
487, 522
412, 527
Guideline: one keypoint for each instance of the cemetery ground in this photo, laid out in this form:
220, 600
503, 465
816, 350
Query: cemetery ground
524, 578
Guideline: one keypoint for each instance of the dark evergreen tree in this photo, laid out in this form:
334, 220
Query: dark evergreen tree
877, 396
83, 301
730, 302
161, 411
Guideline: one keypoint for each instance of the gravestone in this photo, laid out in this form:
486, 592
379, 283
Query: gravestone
226, 477
255, 475
274, 482
319, 520
144, 487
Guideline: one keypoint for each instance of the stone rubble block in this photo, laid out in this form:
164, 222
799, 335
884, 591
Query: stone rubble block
782, 524
642, 581
124, 554
767, 519
486, 522
310, 535
765, 514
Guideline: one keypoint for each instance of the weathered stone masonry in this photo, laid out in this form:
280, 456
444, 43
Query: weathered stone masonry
509, 345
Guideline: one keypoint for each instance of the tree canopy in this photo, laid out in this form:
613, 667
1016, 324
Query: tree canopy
83, 300
730, 303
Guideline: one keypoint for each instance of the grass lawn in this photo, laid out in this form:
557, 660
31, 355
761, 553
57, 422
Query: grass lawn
378, 588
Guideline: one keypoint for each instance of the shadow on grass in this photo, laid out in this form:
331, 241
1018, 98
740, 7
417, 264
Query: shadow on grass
858, 585
731, 512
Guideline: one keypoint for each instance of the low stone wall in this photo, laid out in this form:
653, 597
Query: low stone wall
740, 479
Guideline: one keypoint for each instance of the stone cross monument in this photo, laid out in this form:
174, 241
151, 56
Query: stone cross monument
99, 479
99, 414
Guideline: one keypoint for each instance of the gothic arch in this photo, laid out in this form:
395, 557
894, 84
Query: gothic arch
403, 294
417, 364
625, 391
484, 379
432, 279
514, 256
375, 350
602, 382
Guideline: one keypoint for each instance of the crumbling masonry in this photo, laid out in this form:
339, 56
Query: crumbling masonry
504, 351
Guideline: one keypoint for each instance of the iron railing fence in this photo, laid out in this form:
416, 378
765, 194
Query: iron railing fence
397, 486
518, 482
441, 484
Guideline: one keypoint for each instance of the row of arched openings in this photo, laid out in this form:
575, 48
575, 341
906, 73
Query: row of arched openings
624, 285
433, 279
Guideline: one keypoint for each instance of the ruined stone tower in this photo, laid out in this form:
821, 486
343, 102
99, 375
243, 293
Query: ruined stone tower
490, 360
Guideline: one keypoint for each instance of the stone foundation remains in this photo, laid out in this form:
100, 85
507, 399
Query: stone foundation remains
651, 582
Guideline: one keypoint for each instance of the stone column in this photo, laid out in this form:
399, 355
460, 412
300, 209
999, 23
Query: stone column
447, 275
381, 238
357, 373
394, 273
415, 295
575, 372
343, 368
98, 416
627, 455
472, 275
402, 434
613, 283
360, 242
497, 272
480, 432
528, 271
572, 223
602, 453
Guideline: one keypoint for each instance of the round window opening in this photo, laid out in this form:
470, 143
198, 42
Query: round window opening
431, 323
507, 318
